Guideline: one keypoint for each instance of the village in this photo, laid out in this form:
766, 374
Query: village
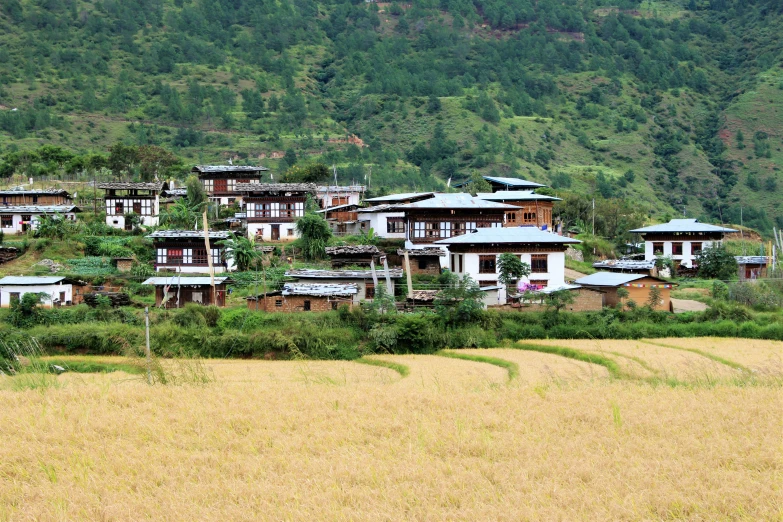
505, 240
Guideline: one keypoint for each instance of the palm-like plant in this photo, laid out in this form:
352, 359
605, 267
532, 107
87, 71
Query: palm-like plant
242, 250
315, 234
182, 214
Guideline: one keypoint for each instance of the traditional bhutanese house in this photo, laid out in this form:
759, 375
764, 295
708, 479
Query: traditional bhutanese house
221, 181
361, 278
499, 183
342, 219
638, 286
359, 255
423, 260
20, 219
337, 195
55, 290
476, 254
384, 217
627, 266
142, 199
272, 209
533, 209
175, 291
682, 239
35, 197
186, 251
305, 297
449, 215
170, 196
752, 267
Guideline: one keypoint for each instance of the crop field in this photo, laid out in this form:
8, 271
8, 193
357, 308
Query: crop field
591, 430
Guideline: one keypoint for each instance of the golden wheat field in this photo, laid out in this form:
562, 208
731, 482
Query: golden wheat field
450, 440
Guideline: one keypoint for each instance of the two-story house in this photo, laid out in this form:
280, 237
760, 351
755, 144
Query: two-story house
681, 239
272, 208
20, 219
185, 251
476, 254
25, 197
220, 181
329, 196
384, 217
142, 199
533, 209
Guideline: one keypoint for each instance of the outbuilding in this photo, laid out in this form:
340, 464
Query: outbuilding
752, 267
363, 279
55, 290
176, 291
20, 219
639, 287
305, 297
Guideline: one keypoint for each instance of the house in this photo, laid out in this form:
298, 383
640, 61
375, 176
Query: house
752, 267
449, 215
499, 183
384, 218
33, 197
423, 260
629, 266
682, 239
336, 195
585, 299
305, 297
350, 255
342, 219
20, 219
273, 208
534, 209
142, 199
175, 291
171, 196
476, 254
363, 279
185, 251
55, 290
220, 181
638, 286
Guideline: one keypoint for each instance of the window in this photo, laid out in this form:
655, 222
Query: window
175, 256
137, 207
696, 248
278, 303
395, 226
369, 291
538, 282
221, 185
290, 232
307, 306
539, 263
35, 199
334, 305
119, 207
7, 221
197, 297
423, 263
677, 249
14, 297
657, 249
487, 264
200, 256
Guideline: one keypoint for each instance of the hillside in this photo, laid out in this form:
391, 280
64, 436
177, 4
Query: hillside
655, 108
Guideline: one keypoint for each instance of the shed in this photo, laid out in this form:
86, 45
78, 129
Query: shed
56, 290
361, 278
638, 286
305, 297
424, 260
630, 266
359, 255
176, 291
752, 267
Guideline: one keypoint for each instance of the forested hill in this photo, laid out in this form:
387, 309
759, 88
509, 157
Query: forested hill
657, 108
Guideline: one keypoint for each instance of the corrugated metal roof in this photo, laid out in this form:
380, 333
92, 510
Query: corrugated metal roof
515, 195
625, 264
405, 196
227, 168
379, 208
39, 209
503, 235
307, 273
338, 207
320, 289
34, 192
30, 280
752, 260
510, 182
175, 280
341, 189
683, 225
157, 185
213, 234
608, 279
456, 201
275, 188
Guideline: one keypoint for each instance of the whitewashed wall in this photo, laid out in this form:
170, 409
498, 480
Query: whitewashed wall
52, 291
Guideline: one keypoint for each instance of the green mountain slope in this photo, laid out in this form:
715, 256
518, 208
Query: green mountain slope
668, 107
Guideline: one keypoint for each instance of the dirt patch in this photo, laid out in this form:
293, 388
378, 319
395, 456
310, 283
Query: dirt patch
687, 305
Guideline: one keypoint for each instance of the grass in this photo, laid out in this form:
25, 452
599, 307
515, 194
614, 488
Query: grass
609, 364
399, 368
511, 367
715, 358
86, 365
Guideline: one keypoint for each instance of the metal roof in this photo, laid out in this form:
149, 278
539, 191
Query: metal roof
515, 195
337, 207
456, 201
176, 280
341, 188
625, 264
34, 192
39, 209
227, 168
159, 234
401, 197
379, 209
30, 280
422, 252
683, 225
275, 187
307, 273
552, 289
177, 192
503, 235
752, 260
157, 185
320, 289
509, 182
609, 279
351, 250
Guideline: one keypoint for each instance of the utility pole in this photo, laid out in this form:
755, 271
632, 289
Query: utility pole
147, 351
209, 258
593, 216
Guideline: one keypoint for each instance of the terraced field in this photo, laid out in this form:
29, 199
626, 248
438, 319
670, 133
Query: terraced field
639, 430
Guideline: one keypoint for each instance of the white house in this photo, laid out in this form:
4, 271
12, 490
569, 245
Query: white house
681, 239
142, 199
476, 254
273, 208
384, 217
329, 196
185, 251
20, 219
222, 182
55, 289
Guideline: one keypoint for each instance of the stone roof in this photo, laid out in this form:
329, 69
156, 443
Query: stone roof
34, 192
38, 209
195, 234
121, 185
203, 169
307, 273
422, 252
275, 188
424, 295
515, 195
352, 250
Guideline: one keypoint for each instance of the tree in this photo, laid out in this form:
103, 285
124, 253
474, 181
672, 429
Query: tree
290, 157
180, 215
312, 173
477, 184
24, 311
196, 195
314, 235
654, 297
511, 268
555, 302
622, 294
716, 263
460, 300
54, 226
242, 250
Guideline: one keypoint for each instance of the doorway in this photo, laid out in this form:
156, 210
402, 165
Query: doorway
275, 232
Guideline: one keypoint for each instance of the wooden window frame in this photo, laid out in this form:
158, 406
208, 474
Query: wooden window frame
488, 264
539, 264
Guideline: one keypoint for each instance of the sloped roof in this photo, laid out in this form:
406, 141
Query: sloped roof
203, 169
320, 289
683, 225
405, 196
275, 187
380, 208
509, 182
30, 280
752, 260
422, 252
424, 295
338, 207
117, 185
455, 201
176, 280
307, 273
610, 279
341, 188
38, 209
504, 235
34, 192
352, 249
515, 195
625, 264
213, 234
